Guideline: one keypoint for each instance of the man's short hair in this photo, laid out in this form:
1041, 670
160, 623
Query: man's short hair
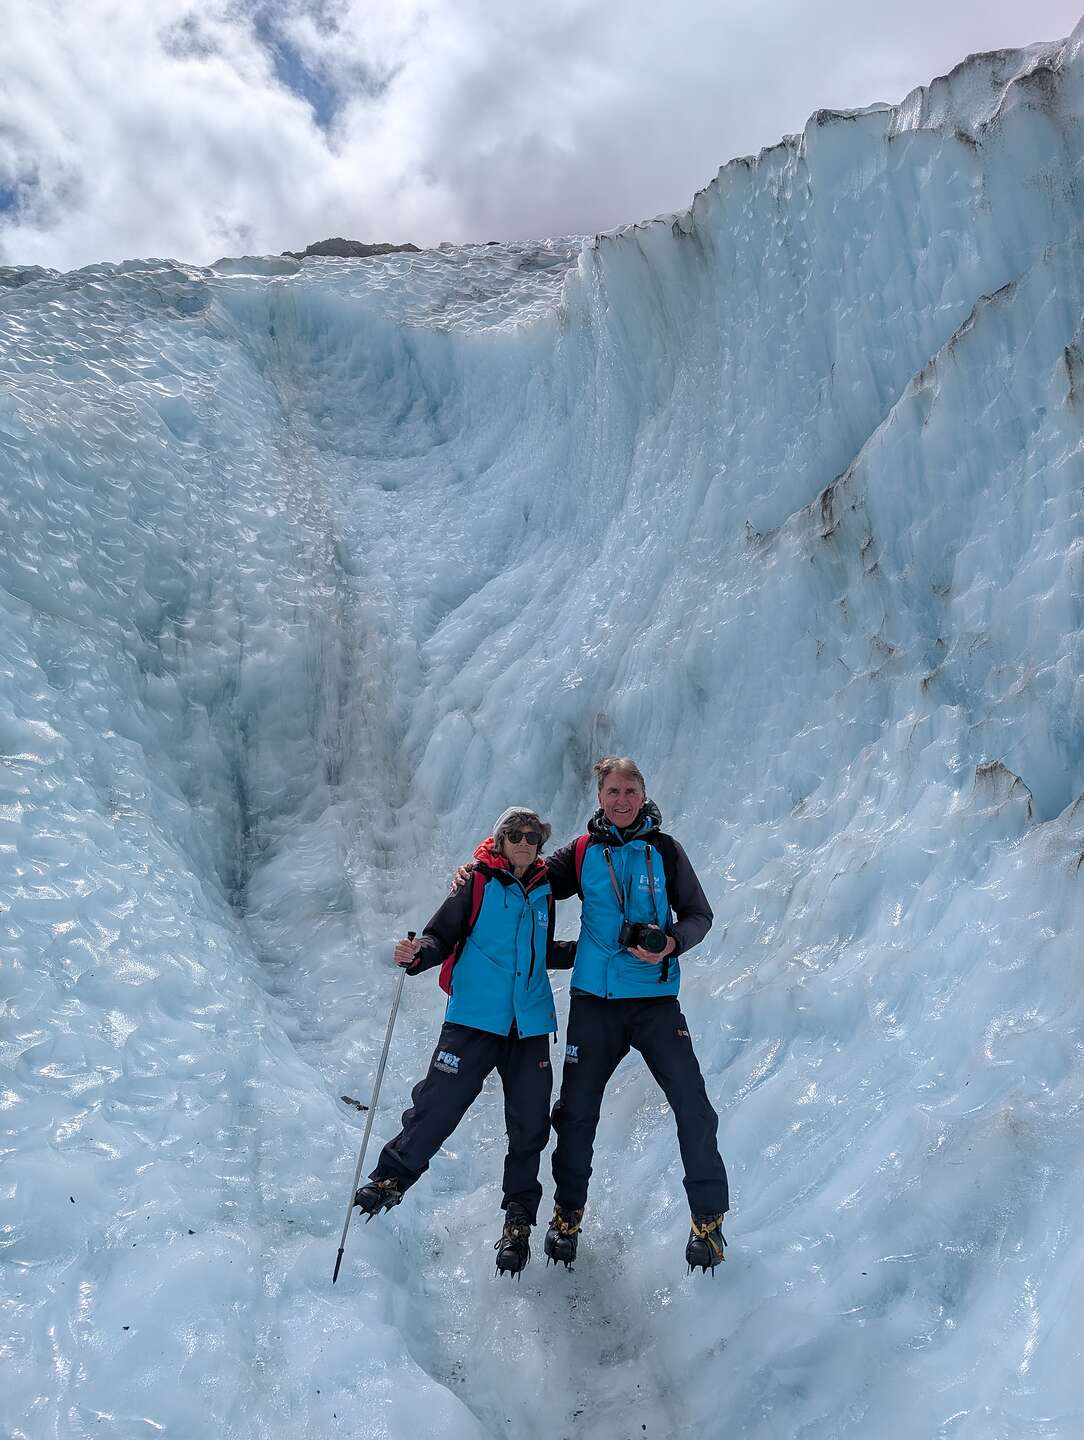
624, 765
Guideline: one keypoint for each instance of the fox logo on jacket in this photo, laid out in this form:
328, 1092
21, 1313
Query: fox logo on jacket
572, 1054
447, 1062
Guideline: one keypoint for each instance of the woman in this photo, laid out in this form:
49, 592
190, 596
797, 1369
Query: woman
494, 941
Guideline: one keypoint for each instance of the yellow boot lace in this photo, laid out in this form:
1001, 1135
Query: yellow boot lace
571, 1226
707, 1232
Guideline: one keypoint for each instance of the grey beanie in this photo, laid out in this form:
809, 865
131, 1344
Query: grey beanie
517, 817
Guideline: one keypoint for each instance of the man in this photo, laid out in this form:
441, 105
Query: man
639, 916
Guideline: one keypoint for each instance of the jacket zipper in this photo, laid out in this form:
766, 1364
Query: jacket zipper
526, 910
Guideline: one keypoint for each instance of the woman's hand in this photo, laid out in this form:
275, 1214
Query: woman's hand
654, 957
406, 953
461, 876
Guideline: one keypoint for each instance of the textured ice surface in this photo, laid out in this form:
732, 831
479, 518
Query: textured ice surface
308, 570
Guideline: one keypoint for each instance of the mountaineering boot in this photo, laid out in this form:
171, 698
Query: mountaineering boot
514, 1247
378, 1195
706, 1241
563, 1236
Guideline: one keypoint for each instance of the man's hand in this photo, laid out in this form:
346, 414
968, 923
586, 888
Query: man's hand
461, 876
654, 957
406, 953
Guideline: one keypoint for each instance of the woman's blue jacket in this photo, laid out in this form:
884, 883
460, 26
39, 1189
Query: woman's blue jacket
499, 976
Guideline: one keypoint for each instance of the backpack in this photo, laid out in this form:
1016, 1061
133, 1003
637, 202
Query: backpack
580, 851
478, 881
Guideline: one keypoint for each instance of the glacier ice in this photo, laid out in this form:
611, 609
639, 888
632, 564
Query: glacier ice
307, 568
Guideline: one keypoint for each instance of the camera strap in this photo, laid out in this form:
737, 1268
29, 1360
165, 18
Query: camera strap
651, 882
614, 882
617, 884
665, 970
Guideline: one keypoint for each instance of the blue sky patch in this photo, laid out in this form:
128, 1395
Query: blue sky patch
294, 74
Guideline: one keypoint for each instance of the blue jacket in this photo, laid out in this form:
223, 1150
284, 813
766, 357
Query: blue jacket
500, 974
669, 895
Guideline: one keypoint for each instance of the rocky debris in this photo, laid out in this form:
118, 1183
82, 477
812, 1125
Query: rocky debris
350, 249
996, 784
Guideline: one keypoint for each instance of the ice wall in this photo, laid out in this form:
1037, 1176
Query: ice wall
308, 570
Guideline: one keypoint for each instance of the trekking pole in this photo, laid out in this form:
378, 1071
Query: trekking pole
369, 1117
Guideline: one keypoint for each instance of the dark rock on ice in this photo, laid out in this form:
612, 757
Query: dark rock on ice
350, 249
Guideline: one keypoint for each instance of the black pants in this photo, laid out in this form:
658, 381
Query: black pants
600, 1034
462, 1060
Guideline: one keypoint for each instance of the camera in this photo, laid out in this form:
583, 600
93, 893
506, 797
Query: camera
643, 937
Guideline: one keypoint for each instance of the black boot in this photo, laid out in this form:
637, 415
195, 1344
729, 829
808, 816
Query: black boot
379, 1195
563, 1236
514, 1247
706, 1241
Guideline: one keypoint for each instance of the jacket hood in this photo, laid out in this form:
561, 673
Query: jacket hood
649, 818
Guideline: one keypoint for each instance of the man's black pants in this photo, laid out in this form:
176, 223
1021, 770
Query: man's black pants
600, 1034
462, 1060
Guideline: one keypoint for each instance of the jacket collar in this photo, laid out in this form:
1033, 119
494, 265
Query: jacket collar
497, 864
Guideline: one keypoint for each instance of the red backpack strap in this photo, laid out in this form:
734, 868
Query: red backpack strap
581, 849
477, 886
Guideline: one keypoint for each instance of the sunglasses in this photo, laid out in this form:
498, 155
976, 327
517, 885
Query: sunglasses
532, 837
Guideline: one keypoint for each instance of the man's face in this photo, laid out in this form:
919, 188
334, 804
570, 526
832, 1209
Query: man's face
620, 797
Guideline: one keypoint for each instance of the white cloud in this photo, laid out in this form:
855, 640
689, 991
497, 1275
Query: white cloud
143, 129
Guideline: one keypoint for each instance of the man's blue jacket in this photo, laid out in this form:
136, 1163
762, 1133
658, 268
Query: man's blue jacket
665, 892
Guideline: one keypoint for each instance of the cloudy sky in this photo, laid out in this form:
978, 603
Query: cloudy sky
150, 127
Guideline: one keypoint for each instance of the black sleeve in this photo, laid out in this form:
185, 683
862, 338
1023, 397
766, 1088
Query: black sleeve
561, 869
686, 897
446, 929
561, 955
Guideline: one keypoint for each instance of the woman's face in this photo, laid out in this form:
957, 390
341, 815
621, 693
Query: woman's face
519, 853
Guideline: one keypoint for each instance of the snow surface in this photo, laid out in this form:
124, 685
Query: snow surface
310, 569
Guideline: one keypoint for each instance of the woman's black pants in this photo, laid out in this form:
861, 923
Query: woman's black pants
462, 1060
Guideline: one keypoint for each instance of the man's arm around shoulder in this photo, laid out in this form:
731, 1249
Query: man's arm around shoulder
561, 871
